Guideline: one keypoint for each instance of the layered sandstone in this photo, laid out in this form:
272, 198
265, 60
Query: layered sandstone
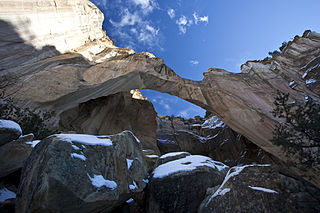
55, 76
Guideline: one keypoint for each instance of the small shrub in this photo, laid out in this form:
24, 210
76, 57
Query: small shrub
299, 135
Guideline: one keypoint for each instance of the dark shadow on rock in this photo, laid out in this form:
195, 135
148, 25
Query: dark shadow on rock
13, 48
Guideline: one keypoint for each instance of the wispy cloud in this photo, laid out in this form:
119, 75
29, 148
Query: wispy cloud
183, 22
171, 13
127, 19
198, 19
133, 28
194, 62
147, 6
191, 111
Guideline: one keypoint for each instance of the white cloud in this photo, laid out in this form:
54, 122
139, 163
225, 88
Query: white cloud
182, 22
152, 30
171, 13
146, 5
198, 18
184, 113
128, 19
194, 62
135, 30
191, 111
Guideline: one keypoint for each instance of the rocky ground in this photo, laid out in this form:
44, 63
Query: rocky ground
201, 166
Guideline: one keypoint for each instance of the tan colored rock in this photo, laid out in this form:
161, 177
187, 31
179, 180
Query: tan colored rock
57, 82
113, 114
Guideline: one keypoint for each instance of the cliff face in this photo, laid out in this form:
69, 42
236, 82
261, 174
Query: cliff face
60, 58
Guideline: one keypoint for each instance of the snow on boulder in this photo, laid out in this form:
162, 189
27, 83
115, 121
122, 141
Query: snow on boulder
9, 131
171, 156
81, 173
213, 123
180, 185
261, 188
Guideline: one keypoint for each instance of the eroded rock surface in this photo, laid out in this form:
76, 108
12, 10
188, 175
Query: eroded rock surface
93, 68
113, 114
209, 137
261, 188
81, 173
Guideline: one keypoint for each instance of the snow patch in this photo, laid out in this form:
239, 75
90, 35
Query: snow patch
86, 139
187, 163
152, 156
79, 156
130, 200
99, 181
172, 154
263, 189
311, 81
133, 186
6, 194
32, 143
291, 83
213, 122
145, 180
166, 141
75, 147
7, 124
129, 163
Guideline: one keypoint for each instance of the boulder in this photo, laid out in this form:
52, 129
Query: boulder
261, 188
14, 154
9, 131
81, 173
180, 185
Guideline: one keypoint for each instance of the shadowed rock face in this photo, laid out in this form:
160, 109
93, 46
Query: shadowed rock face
113, 114
60, 81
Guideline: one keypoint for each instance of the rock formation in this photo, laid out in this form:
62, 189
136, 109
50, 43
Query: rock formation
179, 185
209, 137
113, 114
63, 58
261, 188
81, 173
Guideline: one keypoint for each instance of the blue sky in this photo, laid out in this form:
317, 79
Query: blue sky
194, 35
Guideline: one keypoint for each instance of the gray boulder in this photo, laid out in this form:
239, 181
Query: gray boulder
261, 188
180, 185
14, 154
81, 173
9, 131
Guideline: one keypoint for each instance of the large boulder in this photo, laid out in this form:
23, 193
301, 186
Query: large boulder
180, 185
261, 188
9, 131
14, 154
81, 173
112, 114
